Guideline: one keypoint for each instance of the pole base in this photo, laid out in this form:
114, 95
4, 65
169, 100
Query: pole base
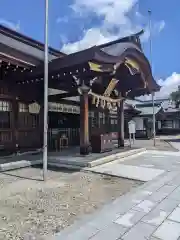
120, 143
85, 150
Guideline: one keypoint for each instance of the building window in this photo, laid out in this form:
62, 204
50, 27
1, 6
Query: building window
5, 108
23, 107
101, 119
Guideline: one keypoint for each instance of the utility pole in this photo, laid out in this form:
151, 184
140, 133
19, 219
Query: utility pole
45, 92
150, 48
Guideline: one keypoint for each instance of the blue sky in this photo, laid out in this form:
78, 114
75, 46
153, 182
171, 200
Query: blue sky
77, 24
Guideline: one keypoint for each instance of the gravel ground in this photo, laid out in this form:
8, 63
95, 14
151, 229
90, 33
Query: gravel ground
32, 209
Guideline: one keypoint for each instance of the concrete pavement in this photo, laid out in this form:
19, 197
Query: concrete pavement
144, 166
151, 211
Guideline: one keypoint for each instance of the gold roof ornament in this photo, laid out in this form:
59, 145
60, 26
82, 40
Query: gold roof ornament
111, 86
100, 67
132, 66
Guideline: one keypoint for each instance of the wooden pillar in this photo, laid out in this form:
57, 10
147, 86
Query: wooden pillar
41, 123
14, 124
120, 114
84, 124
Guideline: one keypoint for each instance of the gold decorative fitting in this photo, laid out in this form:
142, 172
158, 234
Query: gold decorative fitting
110, 87
95, 67
132, 66
34, 108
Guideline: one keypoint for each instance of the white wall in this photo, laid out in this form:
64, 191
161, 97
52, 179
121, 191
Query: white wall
139, 123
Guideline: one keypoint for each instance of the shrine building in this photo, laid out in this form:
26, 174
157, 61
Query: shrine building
87, 93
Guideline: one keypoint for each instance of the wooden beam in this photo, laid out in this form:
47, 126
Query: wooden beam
53, 98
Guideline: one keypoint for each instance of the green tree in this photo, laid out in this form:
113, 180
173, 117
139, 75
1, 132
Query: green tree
175, 97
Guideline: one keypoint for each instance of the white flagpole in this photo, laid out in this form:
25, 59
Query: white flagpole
150, 45
45, 92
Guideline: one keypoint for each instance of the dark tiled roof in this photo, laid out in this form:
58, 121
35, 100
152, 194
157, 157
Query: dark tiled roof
27, 40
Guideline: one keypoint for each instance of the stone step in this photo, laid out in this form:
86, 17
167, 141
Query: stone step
113, 157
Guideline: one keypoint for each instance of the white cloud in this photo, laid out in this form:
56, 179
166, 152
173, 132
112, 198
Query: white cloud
156, 29
120, 14
12, 25
168, 85
91, 37
161, 25
112, 11
62, 19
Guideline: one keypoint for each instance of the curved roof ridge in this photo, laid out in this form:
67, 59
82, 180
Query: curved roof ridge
124, 39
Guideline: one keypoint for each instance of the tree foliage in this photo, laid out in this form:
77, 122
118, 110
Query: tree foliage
175, 96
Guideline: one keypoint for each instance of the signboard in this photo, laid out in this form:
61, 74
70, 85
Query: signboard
34, 108
65, 108
132, 127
